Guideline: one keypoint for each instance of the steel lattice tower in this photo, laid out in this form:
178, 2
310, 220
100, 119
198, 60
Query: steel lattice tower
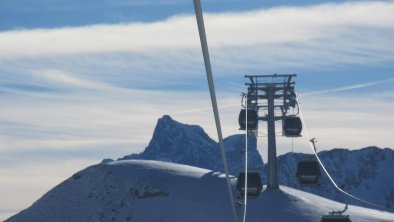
272, 96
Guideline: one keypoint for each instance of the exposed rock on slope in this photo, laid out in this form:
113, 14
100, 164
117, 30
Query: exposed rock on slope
188, 144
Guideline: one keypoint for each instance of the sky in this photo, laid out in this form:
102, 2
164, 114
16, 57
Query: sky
81, 81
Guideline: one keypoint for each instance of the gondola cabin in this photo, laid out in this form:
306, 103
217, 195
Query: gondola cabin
308, 172
292, 126
335, 218
254, 184
252, 119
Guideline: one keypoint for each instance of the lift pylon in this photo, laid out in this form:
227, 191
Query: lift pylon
271, 96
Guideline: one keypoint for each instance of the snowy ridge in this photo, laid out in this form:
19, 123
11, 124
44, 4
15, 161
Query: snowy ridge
142, 190
134, 189
365, 172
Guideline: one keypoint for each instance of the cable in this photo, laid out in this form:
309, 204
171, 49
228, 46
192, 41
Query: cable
246, 161
292, 145
207, 62
324, 168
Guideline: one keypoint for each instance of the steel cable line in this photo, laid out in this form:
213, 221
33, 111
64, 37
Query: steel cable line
208, 69
246, 161
324, 168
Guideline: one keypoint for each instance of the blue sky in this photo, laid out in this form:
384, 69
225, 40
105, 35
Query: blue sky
84, 80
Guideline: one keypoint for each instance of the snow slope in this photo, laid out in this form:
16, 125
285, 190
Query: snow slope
143, 190
365, 172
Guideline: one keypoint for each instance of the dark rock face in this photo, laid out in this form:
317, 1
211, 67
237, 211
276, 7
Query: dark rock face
189, 144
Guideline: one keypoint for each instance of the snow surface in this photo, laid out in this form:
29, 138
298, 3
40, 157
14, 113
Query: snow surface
365, 172
144, 190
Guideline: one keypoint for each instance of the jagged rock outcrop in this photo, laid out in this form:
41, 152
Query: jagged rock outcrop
176, 142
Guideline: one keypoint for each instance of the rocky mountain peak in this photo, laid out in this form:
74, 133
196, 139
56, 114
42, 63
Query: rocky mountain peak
176, 142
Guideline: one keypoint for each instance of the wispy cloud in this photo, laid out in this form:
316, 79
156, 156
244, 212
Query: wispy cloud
113, 61
351, 87
132, 56
60, 78
293, 25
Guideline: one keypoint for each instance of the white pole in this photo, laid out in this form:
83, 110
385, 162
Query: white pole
204, 47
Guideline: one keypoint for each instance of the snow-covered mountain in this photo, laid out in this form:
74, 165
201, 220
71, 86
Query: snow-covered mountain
367, 172
136, 189
143, 190
176, 142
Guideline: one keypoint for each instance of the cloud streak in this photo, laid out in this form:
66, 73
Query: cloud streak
350, 87
285, 25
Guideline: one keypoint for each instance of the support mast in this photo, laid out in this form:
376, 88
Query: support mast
271, 96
